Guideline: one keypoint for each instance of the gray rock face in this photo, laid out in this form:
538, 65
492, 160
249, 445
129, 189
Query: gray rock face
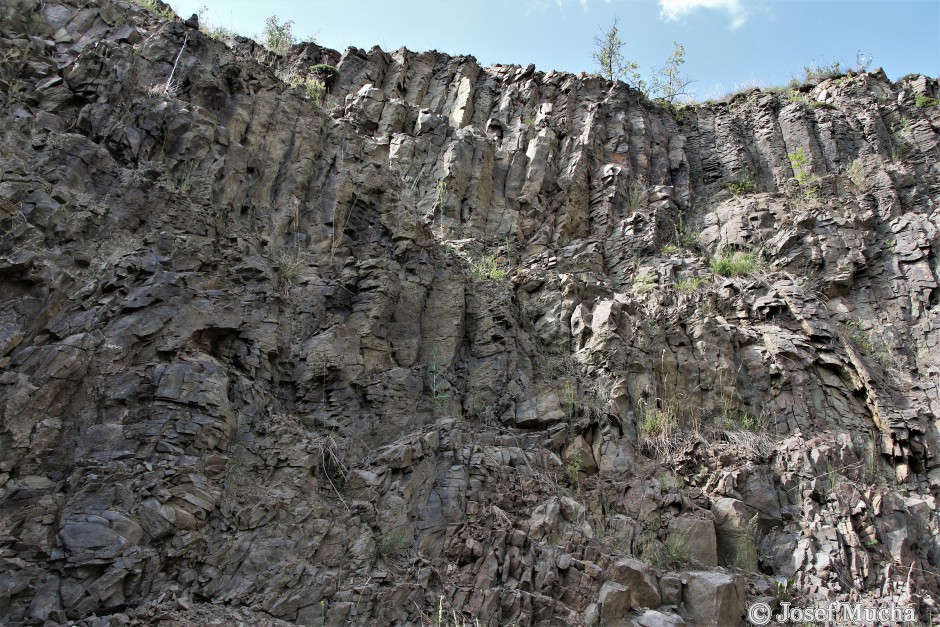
507, 345
639, 580
711, 598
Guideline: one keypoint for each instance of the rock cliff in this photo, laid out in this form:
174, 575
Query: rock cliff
452, 344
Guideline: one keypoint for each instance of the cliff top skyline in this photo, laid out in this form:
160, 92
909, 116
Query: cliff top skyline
729, 44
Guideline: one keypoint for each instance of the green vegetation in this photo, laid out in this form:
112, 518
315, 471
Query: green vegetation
312, 83
783, 591
686, 236
869, 343
740, 420
669, 249
219, 33
658, 422
803, 173
833, 478
278, 37
734, 263
609, 56
745, 185
798, 97
855, 172
643, 283
921, 101
324, 71
666, 82
569, 394
901, 145
289, 266
436, 382
690, 284
391, 543
486, 269
815, 73
314, 89
151, 5
900, 128
863, 61
637, 195
480, 410
573, 470
671, 554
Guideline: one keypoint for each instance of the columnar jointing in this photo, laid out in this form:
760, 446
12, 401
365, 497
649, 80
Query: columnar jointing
453, 343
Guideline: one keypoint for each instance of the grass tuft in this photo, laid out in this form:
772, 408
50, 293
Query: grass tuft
734, 263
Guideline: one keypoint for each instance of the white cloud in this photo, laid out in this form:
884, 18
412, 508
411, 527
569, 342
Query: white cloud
677, 9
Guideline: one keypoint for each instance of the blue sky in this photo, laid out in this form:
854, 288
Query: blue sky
728, 43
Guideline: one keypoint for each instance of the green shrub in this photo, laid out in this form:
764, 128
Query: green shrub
436, 384
686, 236
168, 13
669, 249
796, 96
315, 90
609, 57
219, 33
901, 142
802, 172
744, 185
671, 554
689, 238
289, 265
637, 195
391, 543
324, 71
486, 269
814, 72
325, 74
278, 37
739, 420
573, 470
924, 102
734, 263
658, 423
690, 285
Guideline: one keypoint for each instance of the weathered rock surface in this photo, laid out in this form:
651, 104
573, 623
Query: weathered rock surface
452, 341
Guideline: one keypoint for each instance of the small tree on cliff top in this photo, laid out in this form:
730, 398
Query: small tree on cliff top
667, 81
613, 65
278, 36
